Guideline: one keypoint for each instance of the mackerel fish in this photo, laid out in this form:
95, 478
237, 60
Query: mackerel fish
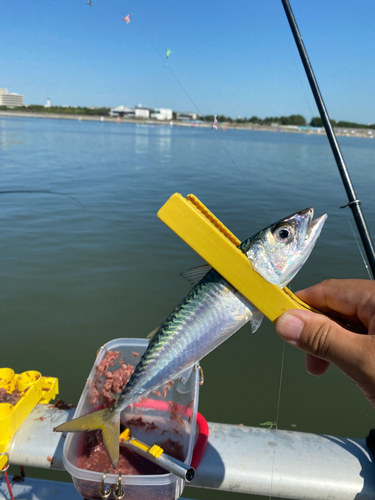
210, 313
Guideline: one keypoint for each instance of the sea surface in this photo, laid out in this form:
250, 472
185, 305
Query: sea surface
80, 270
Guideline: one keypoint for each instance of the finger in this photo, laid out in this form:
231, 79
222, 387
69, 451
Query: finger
353, 300
323, 338
316, 366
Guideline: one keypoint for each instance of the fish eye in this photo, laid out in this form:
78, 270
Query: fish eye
284, 234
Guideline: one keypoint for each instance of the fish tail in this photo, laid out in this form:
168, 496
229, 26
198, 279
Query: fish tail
107, 421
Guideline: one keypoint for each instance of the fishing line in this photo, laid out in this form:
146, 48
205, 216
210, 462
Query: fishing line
213, 131
189, 97
280, 384
278, 408
360, 251
277, 415
43, 191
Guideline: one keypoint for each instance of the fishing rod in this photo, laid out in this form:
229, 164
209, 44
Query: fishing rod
354, 203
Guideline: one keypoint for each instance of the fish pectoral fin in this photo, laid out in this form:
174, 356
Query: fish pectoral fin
256, 320
107, 421
185, 375
194, 275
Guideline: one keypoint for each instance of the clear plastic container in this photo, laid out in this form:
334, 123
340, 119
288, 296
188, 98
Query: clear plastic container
168, 415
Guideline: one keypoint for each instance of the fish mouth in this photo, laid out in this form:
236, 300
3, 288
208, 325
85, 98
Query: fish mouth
314, 227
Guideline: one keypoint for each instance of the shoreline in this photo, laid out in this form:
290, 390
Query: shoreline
347, 132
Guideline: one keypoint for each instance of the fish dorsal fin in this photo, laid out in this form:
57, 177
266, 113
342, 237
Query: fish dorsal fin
152, 334
194, 275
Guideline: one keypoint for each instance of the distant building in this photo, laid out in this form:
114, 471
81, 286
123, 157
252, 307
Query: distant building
48, 103
122, 111
11, 100
186, 116
162, 114
138, 112
142, 112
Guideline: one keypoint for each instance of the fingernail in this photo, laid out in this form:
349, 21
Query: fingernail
289, 327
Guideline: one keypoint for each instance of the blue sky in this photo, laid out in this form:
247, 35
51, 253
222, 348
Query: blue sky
232, 58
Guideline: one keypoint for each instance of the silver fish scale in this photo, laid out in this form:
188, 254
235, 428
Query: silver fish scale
208, 315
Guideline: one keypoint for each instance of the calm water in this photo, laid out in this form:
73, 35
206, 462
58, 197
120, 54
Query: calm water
76, 275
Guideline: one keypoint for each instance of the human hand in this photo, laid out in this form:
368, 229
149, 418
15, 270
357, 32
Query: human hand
351, 302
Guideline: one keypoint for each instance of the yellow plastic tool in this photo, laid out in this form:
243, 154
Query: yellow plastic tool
157, 455
201, 230
33, 389
154, 450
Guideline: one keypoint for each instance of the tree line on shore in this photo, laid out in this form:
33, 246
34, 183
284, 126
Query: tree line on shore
294, 120
61, 110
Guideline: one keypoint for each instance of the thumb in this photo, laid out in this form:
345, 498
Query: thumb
322, 338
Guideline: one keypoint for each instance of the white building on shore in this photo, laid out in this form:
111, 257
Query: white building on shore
139, 112
162, 114
122, 111
11, 100
142, 112
186, 116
